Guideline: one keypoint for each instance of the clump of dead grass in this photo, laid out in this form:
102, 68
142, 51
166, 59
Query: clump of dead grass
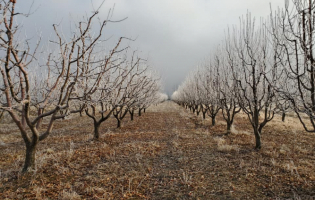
69, 195
223, 146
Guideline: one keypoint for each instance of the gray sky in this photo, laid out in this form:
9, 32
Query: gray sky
175, 34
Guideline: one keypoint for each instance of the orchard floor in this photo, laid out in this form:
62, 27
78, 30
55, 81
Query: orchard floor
167, 153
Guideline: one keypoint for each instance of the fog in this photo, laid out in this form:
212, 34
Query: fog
175, 35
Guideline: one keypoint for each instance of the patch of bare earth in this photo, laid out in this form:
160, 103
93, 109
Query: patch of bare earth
167, 153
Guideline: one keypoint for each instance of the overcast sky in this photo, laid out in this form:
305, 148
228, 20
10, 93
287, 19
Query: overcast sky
174, 34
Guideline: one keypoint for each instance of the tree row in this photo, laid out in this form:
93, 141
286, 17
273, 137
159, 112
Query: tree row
261, 68
74, 73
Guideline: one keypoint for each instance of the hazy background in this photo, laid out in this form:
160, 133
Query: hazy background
174, 34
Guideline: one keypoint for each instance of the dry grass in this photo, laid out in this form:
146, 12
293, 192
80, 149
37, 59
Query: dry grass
167, 153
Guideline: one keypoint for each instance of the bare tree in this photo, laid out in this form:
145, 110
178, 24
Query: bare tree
213, 88
99, 79
187, 93
126, 95
293, 29
200, 92
253, 74
229, 101
16, 87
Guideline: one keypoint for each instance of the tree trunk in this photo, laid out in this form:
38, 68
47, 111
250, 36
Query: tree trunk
213, 121
283, 116
257, 138
204, 115
131, 115
96, 131
228, 128
118, 123
29, 163
144, 110
139, 112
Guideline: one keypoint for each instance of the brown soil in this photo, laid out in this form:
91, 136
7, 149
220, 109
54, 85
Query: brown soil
168, 153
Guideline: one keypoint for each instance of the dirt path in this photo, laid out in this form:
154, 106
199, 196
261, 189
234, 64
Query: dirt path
185, 167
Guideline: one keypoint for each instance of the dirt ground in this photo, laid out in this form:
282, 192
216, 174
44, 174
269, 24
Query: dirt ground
167, 153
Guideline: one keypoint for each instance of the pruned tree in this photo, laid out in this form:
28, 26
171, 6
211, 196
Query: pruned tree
125, 96
229, 101
100, 78
293, 30
213, 87
63, 65
253, 74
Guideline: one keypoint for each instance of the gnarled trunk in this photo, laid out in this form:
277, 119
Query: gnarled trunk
204, 115
29, 163
213, 121
131, 115
139, 113
118, 123
96, 130
257, 129
228, 128
257, 139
